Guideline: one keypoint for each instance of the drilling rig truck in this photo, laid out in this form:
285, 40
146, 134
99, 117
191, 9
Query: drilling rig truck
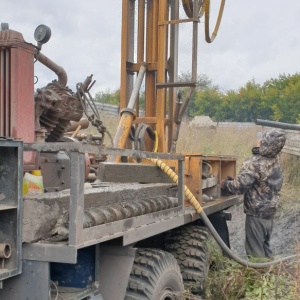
80, 220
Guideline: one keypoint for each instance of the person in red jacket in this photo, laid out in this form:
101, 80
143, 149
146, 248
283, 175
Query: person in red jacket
260, 181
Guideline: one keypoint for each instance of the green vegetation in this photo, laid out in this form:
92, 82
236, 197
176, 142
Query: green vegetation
278, 99
231, 281
109, 97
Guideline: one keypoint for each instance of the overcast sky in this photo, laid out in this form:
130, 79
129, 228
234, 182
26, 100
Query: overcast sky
257, 39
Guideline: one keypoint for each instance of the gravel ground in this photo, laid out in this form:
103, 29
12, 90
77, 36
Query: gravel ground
285, 236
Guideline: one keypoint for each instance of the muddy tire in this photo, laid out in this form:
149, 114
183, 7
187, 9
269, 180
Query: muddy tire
189, 245
155, 275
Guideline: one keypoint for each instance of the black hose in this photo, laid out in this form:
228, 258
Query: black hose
239, 260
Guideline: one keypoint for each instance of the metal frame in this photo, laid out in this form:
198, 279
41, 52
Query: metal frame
156, 44
131, 230
33, 283
11, 190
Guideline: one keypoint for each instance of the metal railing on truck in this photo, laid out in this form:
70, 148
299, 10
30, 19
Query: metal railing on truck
79, 237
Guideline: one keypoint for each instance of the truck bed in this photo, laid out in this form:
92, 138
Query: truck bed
55, 248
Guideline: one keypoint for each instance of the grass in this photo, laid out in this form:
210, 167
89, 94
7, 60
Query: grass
231, 281
236, 142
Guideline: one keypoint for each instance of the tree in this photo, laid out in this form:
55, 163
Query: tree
202, 83
283, 95
109, 97
278, 99
208, 102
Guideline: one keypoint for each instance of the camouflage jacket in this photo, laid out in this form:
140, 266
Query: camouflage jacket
260, 178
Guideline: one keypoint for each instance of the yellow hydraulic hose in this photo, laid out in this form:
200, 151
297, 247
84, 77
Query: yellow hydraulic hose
204, 218
206, 20
205, 9
174, 177
156, 142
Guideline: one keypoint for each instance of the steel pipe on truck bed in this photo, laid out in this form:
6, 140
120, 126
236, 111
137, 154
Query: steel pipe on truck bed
277, 124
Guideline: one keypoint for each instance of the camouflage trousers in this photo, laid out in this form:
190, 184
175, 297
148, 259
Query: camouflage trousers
258, 235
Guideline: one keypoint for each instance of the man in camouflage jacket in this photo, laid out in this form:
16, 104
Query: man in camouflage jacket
260, 180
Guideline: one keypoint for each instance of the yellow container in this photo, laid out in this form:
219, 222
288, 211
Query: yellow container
33, 183
36, 172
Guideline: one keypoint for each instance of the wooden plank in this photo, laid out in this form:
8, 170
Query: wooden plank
131, 172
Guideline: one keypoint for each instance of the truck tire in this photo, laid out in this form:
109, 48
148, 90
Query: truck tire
155, 275
189, 245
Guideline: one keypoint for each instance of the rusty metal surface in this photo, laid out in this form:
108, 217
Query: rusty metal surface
58, 70
161, 75
141, 33
151, 57
56, 106
16, 89
83, 148
127, 48
157, 41
83, 123
11, 38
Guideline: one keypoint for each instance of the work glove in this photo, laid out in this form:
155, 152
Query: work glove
255, 150
224, 189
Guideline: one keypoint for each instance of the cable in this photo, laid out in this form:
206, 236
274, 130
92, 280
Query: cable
56, 289
204, 8
87, 100
156, 142
206, 20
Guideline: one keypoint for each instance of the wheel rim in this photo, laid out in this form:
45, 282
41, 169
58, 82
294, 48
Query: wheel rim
168, 294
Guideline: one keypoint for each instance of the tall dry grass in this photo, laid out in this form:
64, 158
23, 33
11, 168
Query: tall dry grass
233, 141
